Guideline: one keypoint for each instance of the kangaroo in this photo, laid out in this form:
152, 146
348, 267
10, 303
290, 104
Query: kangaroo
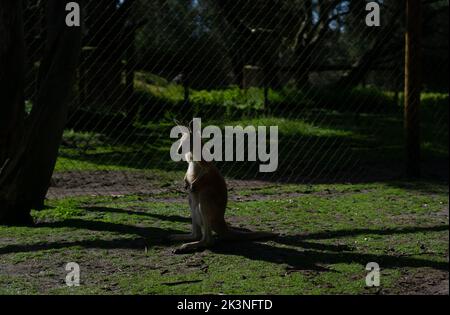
208, 196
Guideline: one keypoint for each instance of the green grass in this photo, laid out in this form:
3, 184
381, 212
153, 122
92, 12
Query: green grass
323, 144
326, 135
233, 96
328, 233
90, 151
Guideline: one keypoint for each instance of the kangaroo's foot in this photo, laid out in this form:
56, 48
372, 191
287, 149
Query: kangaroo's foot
184, 237
192, 247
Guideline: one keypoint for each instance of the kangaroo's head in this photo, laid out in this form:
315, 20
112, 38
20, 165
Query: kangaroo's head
187, 140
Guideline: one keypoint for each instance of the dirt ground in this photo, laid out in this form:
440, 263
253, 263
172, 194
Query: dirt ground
429, 282
111, 183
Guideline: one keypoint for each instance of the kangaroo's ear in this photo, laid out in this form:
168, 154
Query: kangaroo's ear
191, 125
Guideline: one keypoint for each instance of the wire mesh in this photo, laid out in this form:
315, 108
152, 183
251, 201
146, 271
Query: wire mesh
331, 83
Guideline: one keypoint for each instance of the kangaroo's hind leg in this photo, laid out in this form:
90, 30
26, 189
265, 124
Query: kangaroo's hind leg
196, 232
207, 239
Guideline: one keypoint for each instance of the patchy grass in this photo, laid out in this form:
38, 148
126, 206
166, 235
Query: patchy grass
320, 139
328, 233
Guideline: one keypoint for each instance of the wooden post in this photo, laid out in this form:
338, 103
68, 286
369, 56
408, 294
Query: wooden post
412, 87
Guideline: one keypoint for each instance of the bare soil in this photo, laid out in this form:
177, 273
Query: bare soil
110, 183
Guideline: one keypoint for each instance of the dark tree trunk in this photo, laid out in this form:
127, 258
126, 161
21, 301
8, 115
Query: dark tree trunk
12, 76
237, 34
25, 178
303, 65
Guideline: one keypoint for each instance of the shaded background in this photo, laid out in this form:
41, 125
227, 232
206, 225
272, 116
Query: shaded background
333, 85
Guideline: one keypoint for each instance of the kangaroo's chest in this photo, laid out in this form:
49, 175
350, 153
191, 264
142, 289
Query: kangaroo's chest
194, 171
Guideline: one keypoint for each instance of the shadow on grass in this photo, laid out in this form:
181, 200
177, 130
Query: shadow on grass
311, 255
312, 259
293, 239
156, 234
116, 243
172, 218
306, 256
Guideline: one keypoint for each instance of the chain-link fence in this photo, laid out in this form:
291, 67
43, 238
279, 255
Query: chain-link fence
319, 70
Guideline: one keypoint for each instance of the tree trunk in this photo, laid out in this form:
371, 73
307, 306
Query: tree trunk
304, 47
25, 178
12, 76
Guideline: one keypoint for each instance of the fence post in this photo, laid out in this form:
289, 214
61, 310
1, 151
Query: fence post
412, 87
